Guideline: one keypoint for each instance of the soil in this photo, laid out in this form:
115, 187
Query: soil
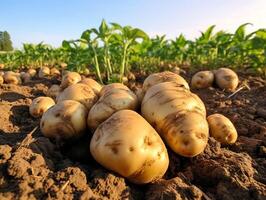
34, 167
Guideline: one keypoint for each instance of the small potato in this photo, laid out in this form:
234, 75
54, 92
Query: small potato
127, 144
113, 98
12, 78
40, 105
202, 79
63, 65
70, 78
26, 77
55, 72
131, 76
53, 91
79, 92
2, 73
64, 120
96, 87
161, 77
44, 72
86, 72
2, 66
222, 129
1, 80
226, 79
32, 72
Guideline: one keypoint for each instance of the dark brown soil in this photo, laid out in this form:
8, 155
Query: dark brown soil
33, 167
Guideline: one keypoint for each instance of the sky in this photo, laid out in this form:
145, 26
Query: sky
51, 21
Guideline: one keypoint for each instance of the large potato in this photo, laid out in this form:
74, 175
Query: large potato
44, 72
226, 79
222, 129
114, 98
79, 92
70, 78
12, 78
202, 79
128, 145
65, 120
40, 105
161, 77
179, 116
96, 87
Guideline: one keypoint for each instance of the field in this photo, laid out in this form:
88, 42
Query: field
34, 167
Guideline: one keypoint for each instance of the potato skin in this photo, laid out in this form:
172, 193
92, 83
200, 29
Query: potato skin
26, 77
53, 91
113, 98
180, 117
161, 77
226, 79
40, 105
222, 129
1, 80
96, 87
55, 72
79, 92
12, 78
64, 120
70, 78
127, 144
32, 72
43, 72
202, 79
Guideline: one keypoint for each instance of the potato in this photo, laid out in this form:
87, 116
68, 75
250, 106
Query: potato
26, 77
2, 66
55, 72
96, 87
179, 116
32, 72
128, 145
112, 86
64, 120
53, 91
12, 78
40, 105
114, 98
70, 78
2, 73
202, 79
166, 76
131, 76
79, 92
44, 72
1, 80
63, 65
226, 79
222, 129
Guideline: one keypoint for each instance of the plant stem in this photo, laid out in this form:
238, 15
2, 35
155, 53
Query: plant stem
97, 66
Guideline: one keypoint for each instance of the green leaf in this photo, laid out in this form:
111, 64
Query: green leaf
240, 32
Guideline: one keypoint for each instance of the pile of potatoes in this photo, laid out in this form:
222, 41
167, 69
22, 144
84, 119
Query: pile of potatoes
224, 78
16, 78
131, 132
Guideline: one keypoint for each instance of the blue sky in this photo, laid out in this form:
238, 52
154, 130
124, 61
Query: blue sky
52, 21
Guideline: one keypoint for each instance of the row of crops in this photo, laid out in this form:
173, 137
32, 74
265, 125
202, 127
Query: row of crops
113, 50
